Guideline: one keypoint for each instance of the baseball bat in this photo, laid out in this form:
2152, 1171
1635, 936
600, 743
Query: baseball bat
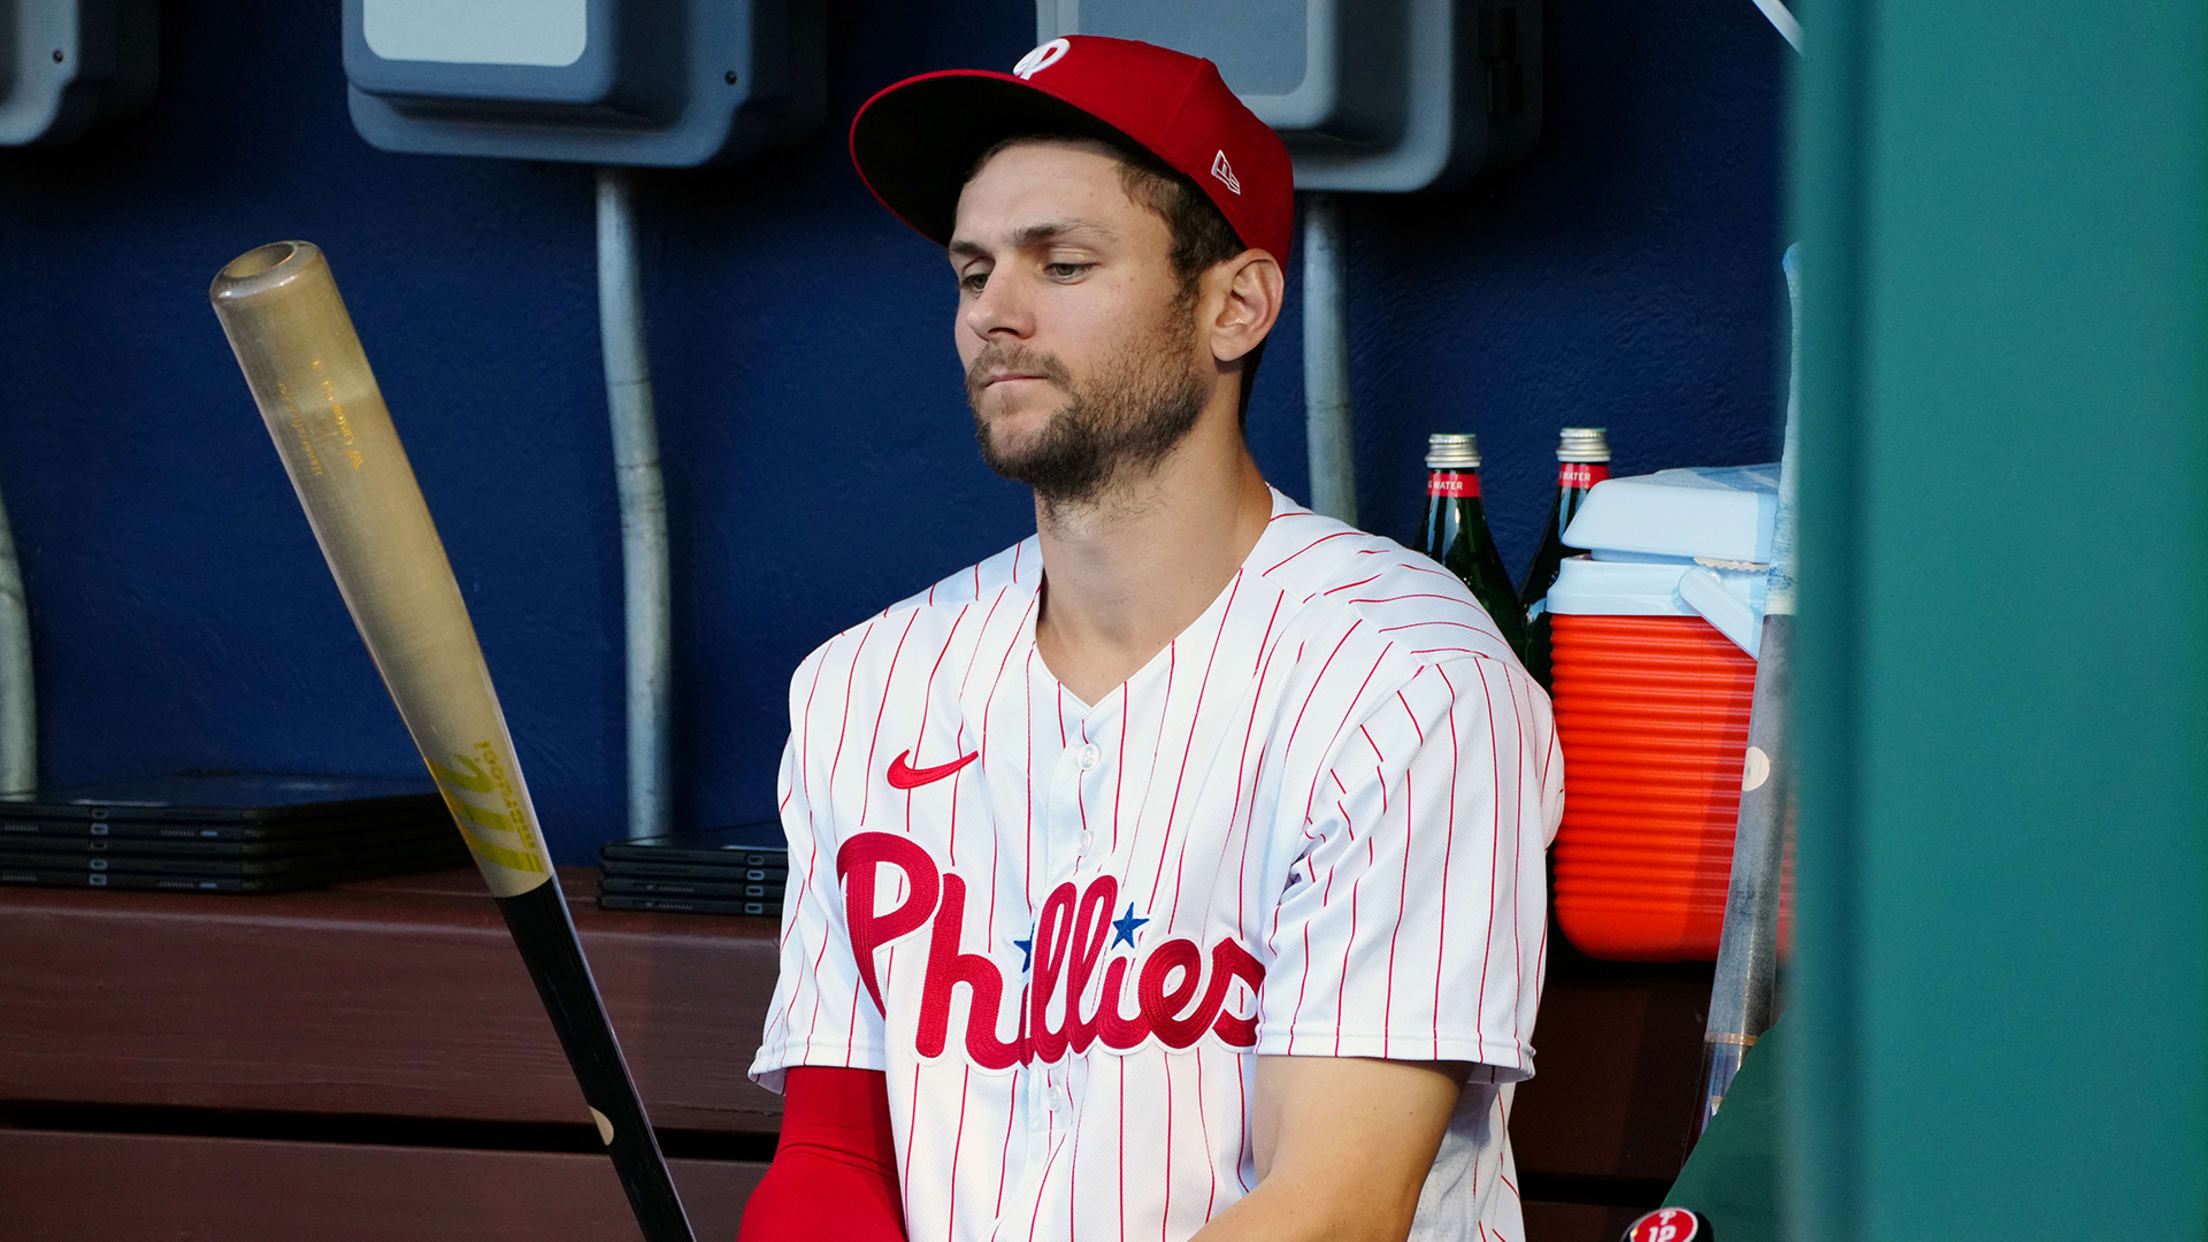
287, 324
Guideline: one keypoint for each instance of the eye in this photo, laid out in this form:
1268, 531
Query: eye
1066, 271
972, 282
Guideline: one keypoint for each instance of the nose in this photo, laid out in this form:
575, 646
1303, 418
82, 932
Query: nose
1000, 310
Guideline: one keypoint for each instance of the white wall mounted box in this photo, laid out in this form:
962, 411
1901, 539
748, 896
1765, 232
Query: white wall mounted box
1378, 95
642, 82
65, 64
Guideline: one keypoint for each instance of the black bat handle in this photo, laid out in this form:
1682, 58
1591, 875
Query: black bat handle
543, 931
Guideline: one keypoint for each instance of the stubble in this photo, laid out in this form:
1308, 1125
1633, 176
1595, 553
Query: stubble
1113, 428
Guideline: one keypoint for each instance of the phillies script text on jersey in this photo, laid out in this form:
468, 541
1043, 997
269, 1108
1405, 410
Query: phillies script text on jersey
1170, 998
1313, 825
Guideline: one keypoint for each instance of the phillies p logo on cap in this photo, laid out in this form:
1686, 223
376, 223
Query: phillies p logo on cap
1041, 58
1669, 1224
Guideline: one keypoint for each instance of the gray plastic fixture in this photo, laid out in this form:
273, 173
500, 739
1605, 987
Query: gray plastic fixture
667, 83
1374, 95
66, 64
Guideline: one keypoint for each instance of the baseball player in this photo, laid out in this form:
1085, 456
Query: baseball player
1176, 872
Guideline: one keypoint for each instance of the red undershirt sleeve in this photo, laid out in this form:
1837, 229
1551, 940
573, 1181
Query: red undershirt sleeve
835, 1170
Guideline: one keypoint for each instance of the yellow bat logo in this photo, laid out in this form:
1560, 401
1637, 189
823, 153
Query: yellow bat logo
506, 817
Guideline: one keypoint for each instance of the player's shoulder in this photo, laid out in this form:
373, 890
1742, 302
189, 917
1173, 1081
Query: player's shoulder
1014, 570
1372, 591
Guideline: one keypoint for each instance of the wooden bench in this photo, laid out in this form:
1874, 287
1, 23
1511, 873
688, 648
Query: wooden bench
369, 1063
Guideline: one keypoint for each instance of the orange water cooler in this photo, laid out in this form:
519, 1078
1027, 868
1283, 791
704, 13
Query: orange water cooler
1654, 675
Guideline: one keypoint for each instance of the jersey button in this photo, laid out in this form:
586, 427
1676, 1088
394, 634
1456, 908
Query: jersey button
1090, 756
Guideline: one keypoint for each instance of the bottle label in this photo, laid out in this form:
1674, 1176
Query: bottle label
1453, 483
1581, 474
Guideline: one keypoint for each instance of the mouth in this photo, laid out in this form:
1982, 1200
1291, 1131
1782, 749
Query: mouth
1005, 377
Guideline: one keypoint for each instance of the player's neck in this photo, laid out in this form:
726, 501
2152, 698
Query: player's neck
1126, 573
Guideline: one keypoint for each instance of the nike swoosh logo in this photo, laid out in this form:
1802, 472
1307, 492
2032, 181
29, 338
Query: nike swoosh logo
904, 776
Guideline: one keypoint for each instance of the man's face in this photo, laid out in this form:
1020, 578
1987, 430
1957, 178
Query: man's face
1082, 358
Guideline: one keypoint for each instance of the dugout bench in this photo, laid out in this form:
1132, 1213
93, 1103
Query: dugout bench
369, 1063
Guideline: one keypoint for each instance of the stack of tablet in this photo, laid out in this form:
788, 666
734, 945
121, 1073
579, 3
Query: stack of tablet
735, 870
225, 832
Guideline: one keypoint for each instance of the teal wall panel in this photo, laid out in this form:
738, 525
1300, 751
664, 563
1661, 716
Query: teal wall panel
2003, 970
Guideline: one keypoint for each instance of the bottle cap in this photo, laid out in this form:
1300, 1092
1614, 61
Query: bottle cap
1584, 444
1454, 451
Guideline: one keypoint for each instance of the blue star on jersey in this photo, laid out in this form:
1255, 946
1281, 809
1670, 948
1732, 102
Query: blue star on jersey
1027, 953
1124, 927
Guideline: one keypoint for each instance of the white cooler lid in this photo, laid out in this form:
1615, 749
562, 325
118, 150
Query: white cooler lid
1677, 543
1723, 513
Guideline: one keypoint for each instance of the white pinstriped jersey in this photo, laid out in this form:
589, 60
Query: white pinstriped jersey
1313, 825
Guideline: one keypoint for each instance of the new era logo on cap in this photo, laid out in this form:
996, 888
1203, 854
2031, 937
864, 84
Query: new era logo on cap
1221, 169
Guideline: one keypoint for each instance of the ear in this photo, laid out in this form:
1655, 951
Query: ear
1245, 294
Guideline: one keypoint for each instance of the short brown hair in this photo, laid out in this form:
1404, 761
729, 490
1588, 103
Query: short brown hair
1201, 238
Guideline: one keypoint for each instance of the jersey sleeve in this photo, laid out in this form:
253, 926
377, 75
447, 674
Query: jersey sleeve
1412, 926
819, 1015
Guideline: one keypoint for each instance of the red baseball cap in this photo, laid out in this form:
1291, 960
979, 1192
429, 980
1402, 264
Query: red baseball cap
915, 142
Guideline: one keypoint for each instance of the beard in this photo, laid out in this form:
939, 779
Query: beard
1115, 427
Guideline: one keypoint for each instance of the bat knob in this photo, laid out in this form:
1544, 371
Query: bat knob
1670, 1224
